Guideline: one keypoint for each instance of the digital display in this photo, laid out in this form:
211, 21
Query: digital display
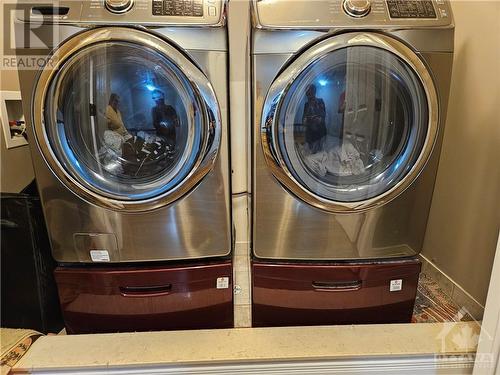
411, 9
191, 8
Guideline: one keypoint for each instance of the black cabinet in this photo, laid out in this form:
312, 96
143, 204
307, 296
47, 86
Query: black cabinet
28, 290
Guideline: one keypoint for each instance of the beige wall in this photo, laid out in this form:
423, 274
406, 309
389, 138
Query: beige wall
16, 168
464, 218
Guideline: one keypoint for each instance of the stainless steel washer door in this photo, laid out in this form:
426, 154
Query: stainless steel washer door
351, 122
125, 120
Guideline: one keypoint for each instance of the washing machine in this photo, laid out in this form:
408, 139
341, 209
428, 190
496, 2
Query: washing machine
349, 105
128, 128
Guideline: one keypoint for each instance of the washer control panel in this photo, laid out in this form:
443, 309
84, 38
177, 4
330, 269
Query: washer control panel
411, 9
189, 8
327, 14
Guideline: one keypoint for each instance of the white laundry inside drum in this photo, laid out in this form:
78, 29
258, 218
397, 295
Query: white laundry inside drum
338, 159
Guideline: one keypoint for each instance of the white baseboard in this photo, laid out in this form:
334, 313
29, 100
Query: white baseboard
421, 365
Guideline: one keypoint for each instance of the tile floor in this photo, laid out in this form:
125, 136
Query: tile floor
433, 305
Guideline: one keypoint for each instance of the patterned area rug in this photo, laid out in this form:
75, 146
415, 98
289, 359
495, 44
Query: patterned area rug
15, 342
432, 305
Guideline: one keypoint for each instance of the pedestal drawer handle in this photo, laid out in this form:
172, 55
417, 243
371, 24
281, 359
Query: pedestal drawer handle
145, 291
337, 286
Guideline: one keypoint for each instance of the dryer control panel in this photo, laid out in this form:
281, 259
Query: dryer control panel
330, 14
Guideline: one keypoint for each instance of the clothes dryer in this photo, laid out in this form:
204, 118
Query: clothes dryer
349, 106
128, 131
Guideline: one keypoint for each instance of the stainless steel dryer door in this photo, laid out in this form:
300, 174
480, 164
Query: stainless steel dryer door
351, 122
125, 120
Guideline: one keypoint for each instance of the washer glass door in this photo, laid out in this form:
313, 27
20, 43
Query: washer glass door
124, 123
350, 126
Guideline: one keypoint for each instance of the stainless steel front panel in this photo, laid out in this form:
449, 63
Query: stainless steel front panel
292, 41
198, 225
104, 244
285, 227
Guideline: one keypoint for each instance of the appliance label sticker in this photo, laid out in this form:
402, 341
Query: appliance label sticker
396, 285
99, 255
222, 282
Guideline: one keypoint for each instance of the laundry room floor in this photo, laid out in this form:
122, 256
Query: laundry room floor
433, 305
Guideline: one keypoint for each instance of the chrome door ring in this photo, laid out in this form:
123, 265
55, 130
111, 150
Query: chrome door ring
199, 82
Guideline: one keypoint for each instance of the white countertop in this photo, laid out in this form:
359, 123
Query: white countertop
247, 345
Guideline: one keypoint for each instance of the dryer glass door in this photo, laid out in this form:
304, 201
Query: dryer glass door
350, 126
126, 124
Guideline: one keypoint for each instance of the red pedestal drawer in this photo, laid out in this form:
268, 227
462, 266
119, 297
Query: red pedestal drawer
312, 294
147, 298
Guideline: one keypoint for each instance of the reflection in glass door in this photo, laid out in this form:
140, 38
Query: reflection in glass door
353, 123
124, 120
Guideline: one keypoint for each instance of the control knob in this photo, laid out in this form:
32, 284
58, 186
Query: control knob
118, 6
357, 8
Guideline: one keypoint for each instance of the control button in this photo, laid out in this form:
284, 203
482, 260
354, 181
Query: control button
443, 13
429, 9
393, 10
179, 8
212, 11
157, 7
118, 6
357, 8
420, 8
